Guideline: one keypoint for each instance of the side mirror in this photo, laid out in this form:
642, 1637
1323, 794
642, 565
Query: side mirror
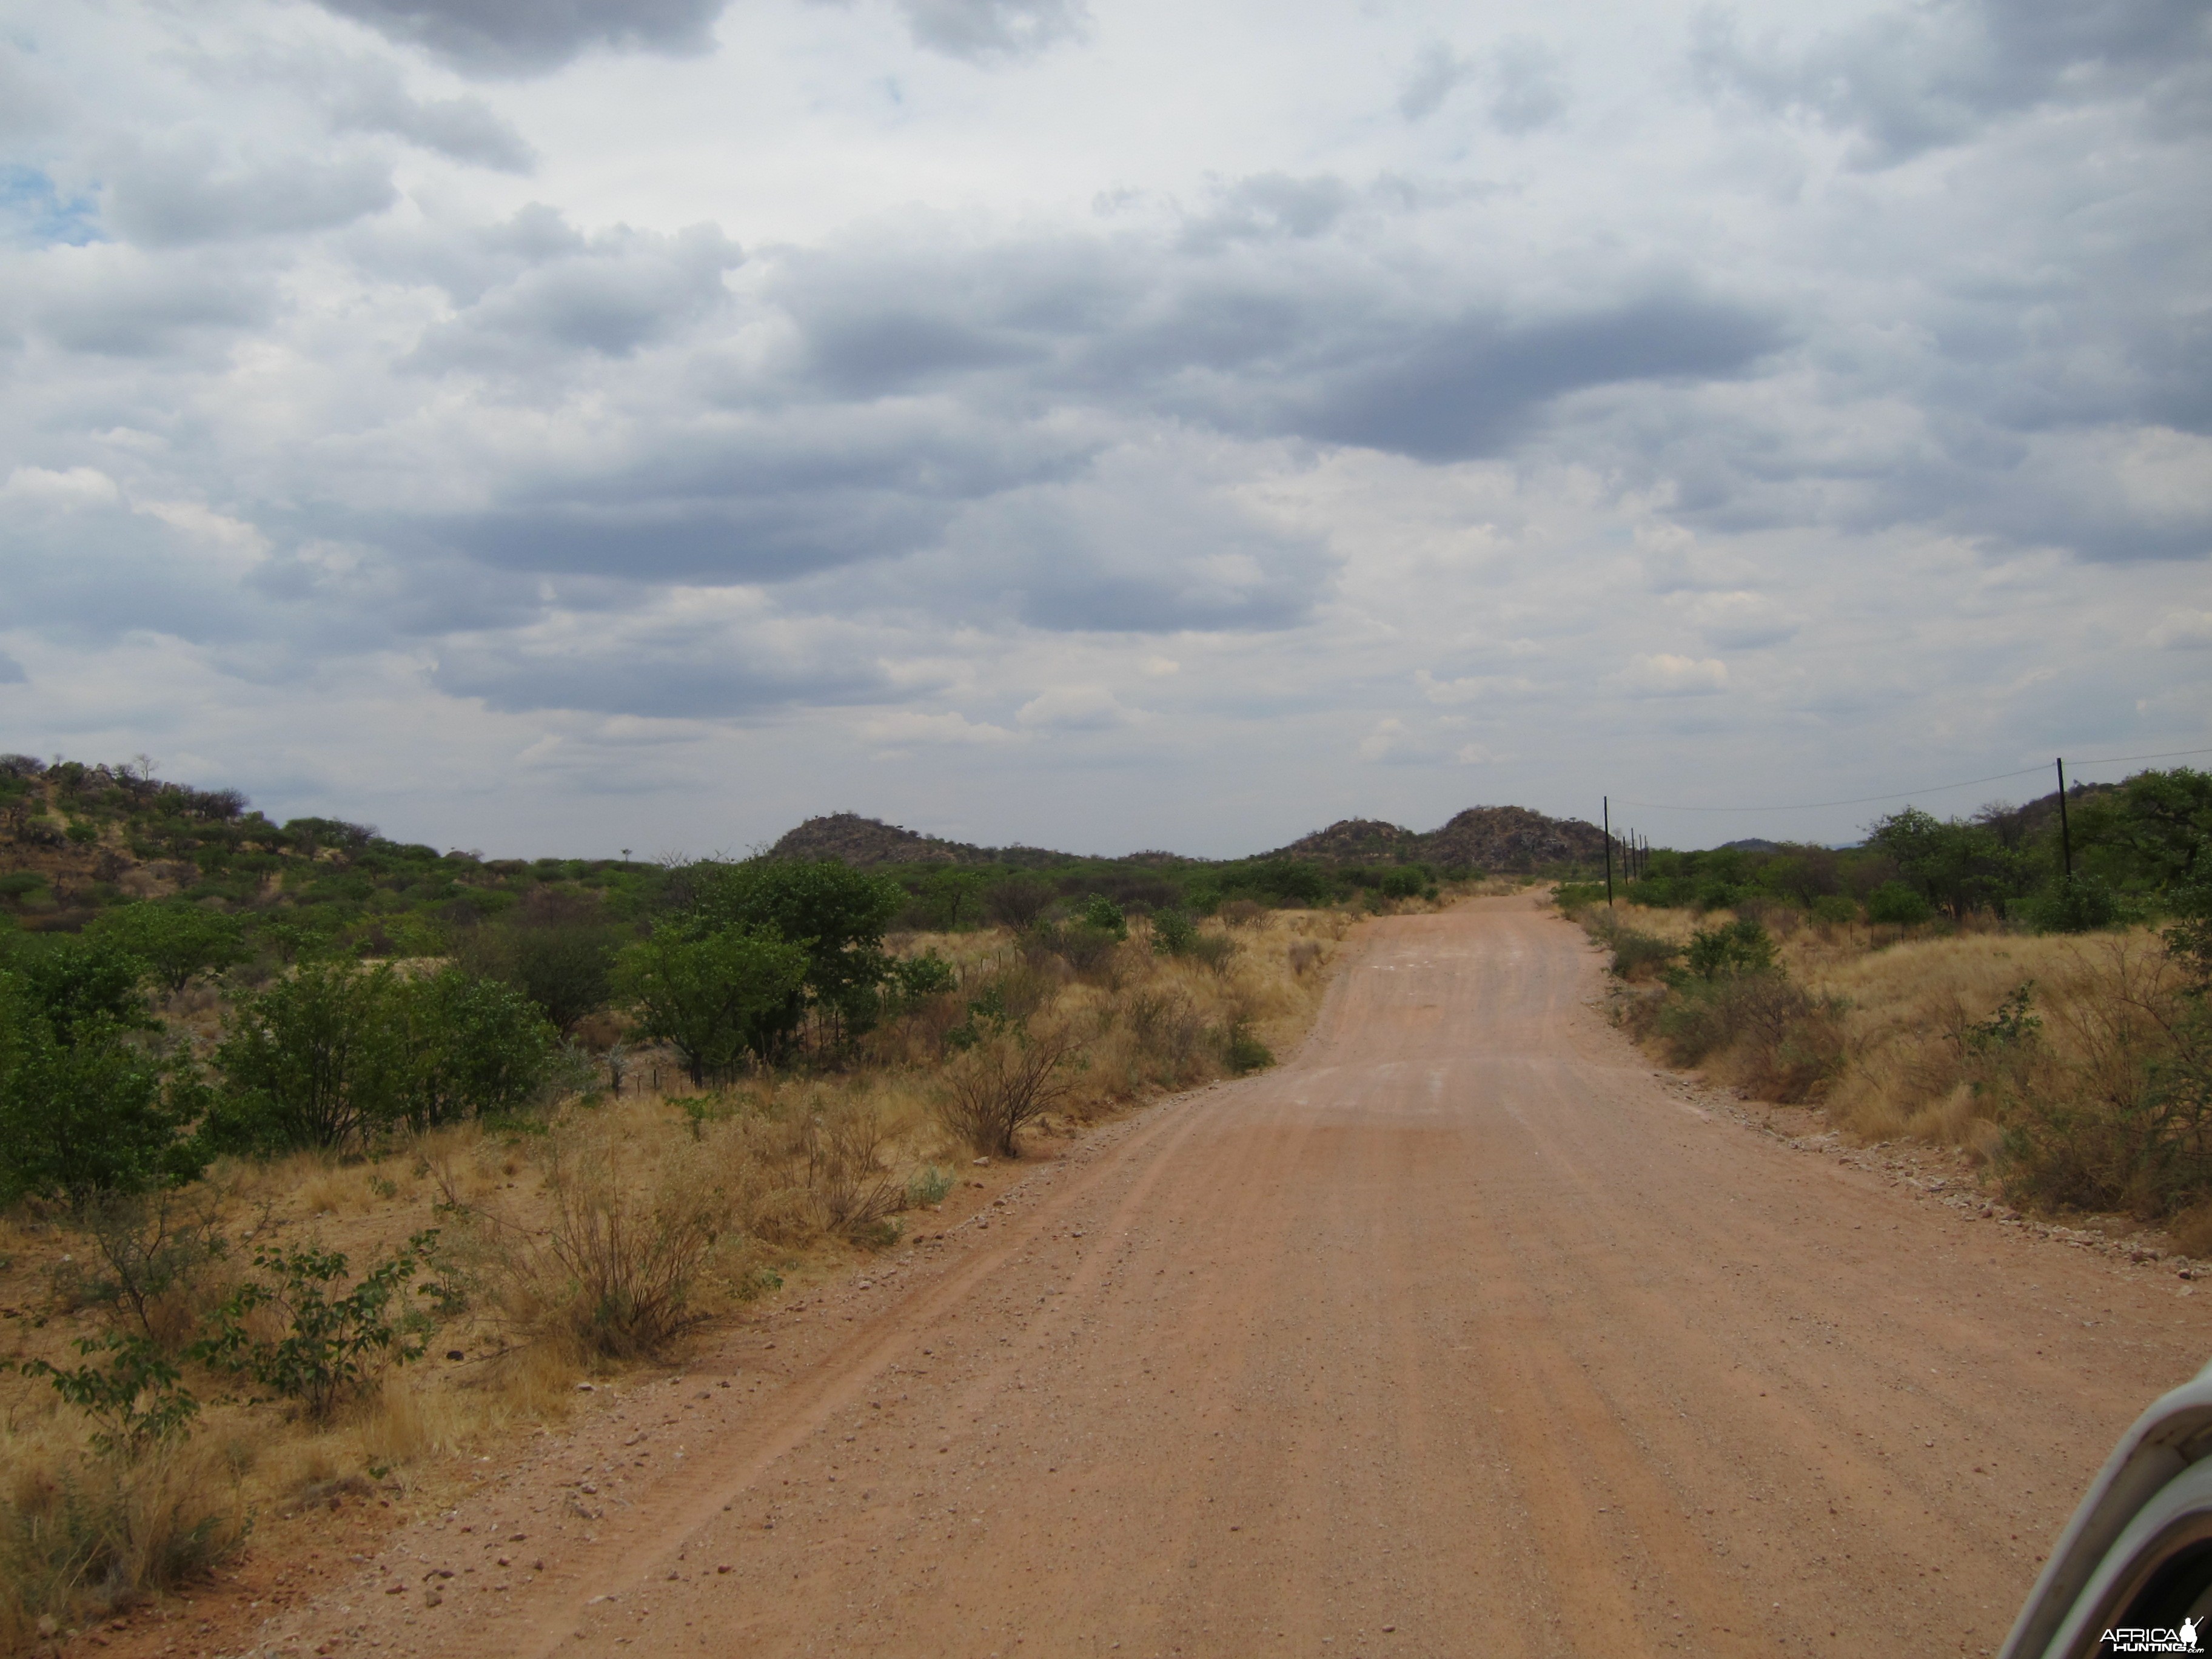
2132, 1572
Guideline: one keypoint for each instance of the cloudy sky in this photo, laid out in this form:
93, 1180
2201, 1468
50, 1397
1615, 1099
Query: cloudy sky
565, 425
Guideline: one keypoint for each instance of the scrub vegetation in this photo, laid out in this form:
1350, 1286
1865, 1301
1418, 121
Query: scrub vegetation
323, 1158
1952, 982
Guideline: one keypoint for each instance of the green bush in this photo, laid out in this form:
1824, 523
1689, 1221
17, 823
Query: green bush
1406, 881
914, 980
1783, 1043
1895, 904
1245, 1053
335, 1054
1838, 909
316, 1059
566, 967
926, 1185
175, 940
715, 997
1730, 950
2081, 905
1101, 913
473, 1047
136, 1401
335, 1343
1635, 953
833, 914
1173, 933
87, 1106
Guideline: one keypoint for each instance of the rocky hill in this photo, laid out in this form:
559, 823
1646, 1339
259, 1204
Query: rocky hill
1495, 838
871, 842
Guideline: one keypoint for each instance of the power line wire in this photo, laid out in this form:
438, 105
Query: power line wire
1906, 794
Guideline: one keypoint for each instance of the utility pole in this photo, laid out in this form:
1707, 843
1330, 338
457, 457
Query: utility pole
2065, 832
1606, 811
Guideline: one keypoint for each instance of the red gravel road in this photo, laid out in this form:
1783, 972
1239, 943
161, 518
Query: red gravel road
1459, 1333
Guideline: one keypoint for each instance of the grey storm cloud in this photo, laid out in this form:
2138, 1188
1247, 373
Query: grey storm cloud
527, 37
1336, 352
463, 129
1911, 79
609, 295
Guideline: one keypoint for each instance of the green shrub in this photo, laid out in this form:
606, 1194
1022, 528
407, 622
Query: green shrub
2079, 905
1895, 904
715, 997
471, 1048
86, 1106
926, 1185
335, 1343
1782, 1042
1636, 954
1101, 913
136, 1401
565, 966
1173, 933
914, 980
1245, 1053
175, 940
1730, 950
1837, 910
834, 915
1406, 881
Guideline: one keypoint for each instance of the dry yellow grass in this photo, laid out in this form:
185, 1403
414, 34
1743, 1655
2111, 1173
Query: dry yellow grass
1908, 1009
1910, 1005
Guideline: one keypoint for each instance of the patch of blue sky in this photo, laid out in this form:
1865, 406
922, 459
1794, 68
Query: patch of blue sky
33, 210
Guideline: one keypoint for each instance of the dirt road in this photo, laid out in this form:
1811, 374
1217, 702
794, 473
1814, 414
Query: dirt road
1458, 1334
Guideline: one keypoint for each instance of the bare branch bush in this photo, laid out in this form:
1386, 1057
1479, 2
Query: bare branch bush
1007, 1079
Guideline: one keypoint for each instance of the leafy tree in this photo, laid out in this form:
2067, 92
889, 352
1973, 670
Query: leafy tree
1956, 866
951, 896
318, 1059
472, 1046
715, 996
77, 981
834, 913
1899, 905
2156, 826
175, 941
1017, 902
85, 1106
1102, 913
564, 966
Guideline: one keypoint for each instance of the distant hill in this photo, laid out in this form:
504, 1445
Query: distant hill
1496, 838
859, 840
